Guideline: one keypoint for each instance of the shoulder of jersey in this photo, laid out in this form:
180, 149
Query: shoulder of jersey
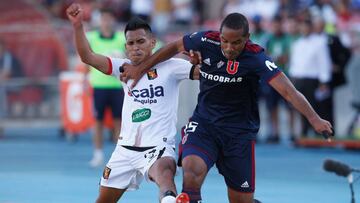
252, 47
214, 35
173, 61
211, 37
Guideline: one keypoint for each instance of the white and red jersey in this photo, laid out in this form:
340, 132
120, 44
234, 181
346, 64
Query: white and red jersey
149, 113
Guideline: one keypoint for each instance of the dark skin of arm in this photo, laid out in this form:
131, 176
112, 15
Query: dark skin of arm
165, 53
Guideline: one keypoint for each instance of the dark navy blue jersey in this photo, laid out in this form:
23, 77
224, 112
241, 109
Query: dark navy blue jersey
228, 89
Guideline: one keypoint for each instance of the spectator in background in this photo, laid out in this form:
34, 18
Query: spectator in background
292, 29
288, 8
324, 9
9, 68
258, 34
161, 16
339, 55
142, 8
199, 11
353, 70
278, 47
182, 12
9, 65
310, 69
108, 91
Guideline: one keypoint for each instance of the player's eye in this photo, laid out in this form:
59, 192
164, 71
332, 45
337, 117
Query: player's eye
130, 43
141, 41
224, 40
237, 42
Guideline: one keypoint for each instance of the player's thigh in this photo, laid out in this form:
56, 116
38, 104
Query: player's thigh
237, 164
158, 158
199, 152
198, 144
119, 171
109, 195
163, 168
240, 197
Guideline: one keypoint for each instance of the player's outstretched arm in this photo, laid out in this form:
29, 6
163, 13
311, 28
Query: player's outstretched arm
100, 62
287, 90
136, 71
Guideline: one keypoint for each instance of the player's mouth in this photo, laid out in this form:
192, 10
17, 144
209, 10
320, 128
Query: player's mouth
230, 55
137, 55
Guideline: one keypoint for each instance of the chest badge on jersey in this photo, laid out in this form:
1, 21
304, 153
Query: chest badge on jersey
152, 74
232, 67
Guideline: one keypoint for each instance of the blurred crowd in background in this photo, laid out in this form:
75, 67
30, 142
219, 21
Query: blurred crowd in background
315, 42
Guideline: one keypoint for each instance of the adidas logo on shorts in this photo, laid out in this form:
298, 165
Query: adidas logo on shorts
245, 185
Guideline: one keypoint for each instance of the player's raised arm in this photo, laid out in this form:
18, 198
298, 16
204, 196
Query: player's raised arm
166, 52
287, 90
100, 62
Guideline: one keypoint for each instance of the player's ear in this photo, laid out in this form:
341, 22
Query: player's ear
153, 42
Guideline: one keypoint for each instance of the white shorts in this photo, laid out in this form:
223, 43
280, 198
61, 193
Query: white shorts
127, 168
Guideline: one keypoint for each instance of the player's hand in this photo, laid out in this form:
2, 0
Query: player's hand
195, 57
323, 127
131, 72
75, 14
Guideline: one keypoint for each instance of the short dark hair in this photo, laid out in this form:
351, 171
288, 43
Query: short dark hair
235, 21
136, 23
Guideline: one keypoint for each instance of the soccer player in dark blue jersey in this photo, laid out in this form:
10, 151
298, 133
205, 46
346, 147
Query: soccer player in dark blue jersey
225, 122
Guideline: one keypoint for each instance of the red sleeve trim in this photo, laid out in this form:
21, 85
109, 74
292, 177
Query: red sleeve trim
255, 48
109, 71
274, 76
214, 35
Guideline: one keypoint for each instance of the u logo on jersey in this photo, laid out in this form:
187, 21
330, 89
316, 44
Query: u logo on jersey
232, 67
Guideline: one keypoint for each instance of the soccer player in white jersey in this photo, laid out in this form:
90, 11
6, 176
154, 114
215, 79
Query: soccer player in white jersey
146, 146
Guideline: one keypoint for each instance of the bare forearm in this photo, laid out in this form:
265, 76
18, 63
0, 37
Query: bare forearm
85, 52
82, 45
301, 104
161, 55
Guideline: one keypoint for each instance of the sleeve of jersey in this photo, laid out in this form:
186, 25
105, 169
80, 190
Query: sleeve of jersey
182, 69
115, 66
267, 68
193, 41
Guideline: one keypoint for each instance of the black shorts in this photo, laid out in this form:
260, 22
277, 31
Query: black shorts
234, 156
108, 98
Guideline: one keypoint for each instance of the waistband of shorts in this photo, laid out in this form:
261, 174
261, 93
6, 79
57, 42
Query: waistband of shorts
138, 149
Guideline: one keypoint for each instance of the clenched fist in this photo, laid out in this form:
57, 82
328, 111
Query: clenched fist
75, 14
